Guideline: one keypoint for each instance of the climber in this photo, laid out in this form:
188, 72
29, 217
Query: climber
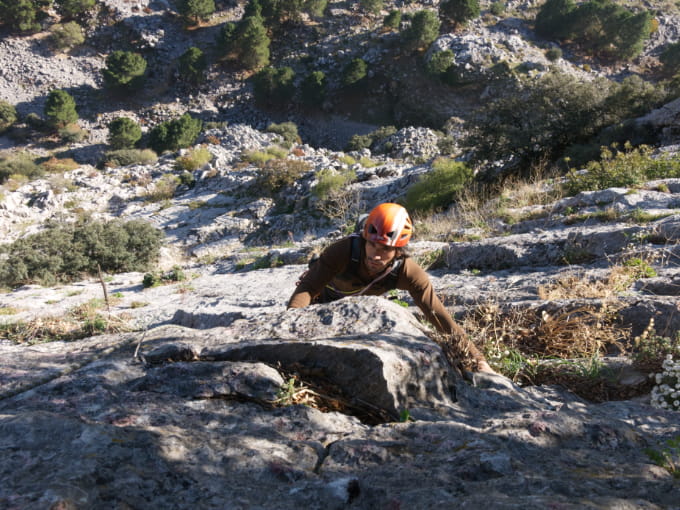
373, 261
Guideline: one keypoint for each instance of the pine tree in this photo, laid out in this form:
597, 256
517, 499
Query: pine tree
423, 31
196, 10
72, 8
313, 88
60, 109
354, 72
192, 64
251, 43
8, 115
274, 86
124, 70
19, 15
124, 133
459, 12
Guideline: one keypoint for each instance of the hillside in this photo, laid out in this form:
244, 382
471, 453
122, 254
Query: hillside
181, 381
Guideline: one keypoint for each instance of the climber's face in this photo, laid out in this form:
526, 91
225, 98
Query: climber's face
378, 256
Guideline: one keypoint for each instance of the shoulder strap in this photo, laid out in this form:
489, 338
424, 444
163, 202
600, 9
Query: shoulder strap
355, 254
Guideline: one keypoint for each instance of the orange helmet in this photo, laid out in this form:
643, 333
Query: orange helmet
388, 224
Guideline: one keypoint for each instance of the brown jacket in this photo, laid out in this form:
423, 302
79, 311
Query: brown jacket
333, 270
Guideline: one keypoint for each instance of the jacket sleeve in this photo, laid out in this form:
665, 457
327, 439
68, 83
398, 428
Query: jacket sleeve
333, 261
416, 281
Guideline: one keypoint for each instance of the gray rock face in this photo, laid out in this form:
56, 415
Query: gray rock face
198, 428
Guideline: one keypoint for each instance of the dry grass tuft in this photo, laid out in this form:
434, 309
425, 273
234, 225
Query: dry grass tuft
82, 321
582, 332
479, 209
320, 393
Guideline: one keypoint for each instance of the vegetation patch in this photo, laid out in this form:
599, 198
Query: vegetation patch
82, 321
631, 167
66, 252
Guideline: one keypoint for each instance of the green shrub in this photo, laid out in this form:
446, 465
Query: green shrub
600, 27
530, 122
424, 29
8, 116
67, 35
259, 158
192, 64
20, 15
554, 19
22, 163
175, 134
670, 58
330, 182
125, 157
437, 189
358, 142
194, 159
155, 279
164, 188
392, 20
250, 43
124, 133
196, 10
277, 174
151, 280
497, 8
286, 130
553, 54
274, 86
124, 70
225, 39
354, 72
440, 62
73, 8
371, 6
459, 12
313, 88
72, 133
60, 109
187, 179
64, 252
628, 168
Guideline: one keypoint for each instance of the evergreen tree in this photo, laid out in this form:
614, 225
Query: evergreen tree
175, 134
354, 73
192, 64
670, 58
628, 33
8, 115
225, 38
459, 12
19, 15
440, 62
274, 86
553, 19
251, 43
124, 133
67, 35
313, 88
72, 8
196, 10
423, 31
392, 20
60, 109
124, 70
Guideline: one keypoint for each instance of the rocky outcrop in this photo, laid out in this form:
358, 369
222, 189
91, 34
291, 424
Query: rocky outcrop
194, 421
